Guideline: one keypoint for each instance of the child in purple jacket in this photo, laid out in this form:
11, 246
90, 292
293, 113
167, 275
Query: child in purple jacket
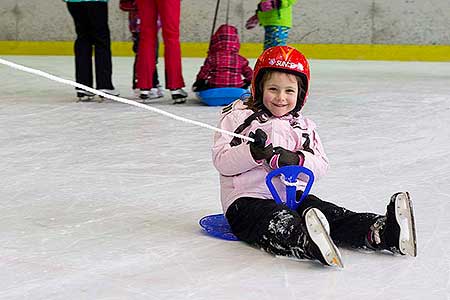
283, 136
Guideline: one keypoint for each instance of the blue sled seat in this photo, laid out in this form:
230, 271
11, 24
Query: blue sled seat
220, 96
217, 225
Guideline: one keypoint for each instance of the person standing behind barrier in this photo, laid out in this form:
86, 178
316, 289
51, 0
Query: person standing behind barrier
169, 12
134, 23
276, 18
91, 26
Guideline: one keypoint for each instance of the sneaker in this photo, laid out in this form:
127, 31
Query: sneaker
317, 243
396, 230
84, 96
178, 96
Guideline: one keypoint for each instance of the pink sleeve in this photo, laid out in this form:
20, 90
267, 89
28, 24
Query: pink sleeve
230, 160
316, 160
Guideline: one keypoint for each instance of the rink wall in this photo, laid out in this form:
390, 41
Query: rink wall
340, 29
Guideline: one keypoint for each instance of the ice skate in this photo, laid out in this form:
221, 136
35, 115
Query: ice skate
144, 94
153, 93
178, 96
320, 246
112, 92
85, 96
396, 231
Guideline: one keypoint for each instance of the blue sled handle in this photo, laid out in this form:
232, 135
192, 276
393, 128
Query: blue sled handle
291, 174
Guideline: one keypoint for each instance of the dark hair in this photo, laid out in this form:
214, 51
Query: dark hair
255, 102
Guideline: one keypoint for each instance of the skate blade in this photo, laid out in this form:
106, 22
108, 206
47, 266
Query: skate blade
86, 99
405, 218
179, 101
317, 229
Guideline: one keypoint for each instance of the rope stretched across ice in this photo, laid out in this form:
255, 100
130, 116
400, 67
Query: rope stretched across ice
120, 99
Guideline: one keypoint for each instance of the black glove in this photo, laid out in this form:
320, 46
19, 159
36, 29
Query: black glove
282, 157
199, 85
258, 148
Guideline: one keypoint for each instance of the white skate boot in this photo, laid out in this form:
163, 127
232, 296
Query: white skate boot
322, 246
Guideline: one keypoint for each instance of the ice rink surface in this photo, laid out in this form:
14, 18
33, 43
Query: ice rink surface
102, 200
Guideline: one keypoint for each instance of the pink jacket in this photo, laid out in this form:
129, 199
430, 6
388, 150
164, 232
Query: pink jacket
240, 174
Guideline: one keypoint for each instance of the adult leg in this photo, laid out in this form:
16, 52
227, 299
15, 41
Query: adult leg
169, 12
148, 12
83, 43
98, 14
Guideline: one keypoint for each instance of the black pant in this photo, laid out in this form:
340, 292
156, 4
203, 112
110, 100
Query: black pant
135, 37
91, 26
249, 219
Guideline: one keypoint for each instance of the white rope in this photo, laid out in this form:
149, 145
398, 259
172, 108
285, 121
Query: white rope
120, 99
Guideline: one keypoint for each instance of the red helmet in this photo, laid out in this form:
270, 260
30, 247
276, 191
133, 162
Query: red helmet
286, 59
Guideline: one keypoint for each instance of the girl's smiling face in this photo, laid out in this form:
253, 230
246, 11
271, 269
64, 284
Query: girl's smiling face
280, 93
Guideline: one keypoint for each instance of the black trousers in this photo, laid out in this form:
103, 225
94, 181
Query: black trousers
135, 37
249, 219
91, 26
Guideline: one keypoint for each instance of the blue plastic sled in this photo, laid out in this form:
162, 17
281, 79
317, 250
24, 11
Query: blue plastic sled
220, 96
217, 225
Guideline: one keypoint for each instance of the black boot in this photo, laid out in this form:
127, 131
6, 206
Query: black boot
178, 96
396, 230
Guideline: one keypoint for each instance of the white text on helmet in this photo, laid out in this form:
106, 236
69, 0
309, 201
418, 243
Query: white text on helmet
286, 64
